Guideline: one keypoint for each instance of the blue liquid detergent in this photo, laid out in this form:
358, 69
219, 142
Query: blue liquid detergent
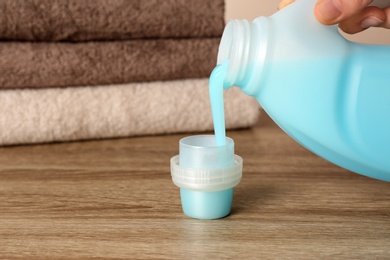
217, 102
341, 117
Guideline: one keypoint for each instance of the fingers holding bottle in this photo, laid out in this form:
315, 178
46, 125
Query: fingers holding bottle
335, 11
369, 17
353, 16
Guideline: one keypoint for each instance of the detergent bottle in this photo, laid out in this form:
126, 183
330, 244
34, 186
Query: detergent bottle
329, 94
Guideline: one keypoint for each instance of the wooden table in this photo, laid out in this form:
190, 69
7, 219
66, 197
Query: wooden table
115, 199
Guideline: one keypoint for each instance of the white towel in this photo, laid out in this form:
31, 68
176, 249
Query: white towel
80, 113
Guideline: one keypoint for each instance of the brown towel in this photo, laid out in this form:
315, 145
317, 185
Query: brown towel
85, 20
64, 114
37, 65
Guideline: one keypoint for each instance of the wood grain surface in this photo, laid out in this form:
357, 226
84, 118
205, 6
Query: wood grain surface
115, 199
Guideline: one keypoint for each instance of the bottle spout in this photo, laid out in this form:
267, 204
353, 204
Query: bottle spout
234, 47
244, 44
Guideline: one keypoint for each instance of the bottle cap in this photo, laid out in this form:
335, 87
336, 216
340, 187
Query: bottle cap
206, 174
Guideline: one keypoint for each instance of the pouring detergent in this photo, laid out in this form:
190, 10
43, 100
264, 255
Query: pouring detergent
206, 169
330, 95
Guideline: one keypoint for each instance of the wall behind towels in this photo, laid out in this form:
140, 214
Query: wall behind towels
250, 9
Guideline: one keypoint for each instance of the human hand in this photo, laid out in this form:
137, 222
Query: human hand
353, 16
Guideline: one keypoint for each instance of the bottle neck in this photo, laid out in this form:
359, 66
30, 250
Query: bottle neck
245, 45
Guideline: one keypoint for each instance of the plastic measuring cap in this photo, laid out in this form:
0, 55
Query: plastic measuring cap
206, 175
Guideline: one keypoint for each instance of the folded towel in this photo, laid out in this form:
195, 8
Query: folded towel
64, 114
82, 20
36, 65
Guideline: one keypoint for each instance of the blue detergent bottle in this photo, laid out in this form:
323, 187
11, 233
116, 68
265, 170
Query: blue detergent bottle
329, 94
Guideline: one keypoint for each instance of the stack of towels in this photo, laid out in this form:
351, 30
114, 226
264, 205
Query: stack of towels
76, 70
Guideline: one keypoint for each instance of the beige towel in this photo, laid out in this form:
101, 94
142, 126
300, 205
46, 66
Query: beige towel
86, 20
65, 114
37, 65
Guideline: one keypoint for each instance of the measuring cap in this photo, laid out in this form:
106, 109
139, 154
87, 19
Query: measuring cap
206, 175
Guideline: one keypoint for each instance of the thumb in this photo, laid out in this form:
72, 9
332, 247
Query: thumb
333, 11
